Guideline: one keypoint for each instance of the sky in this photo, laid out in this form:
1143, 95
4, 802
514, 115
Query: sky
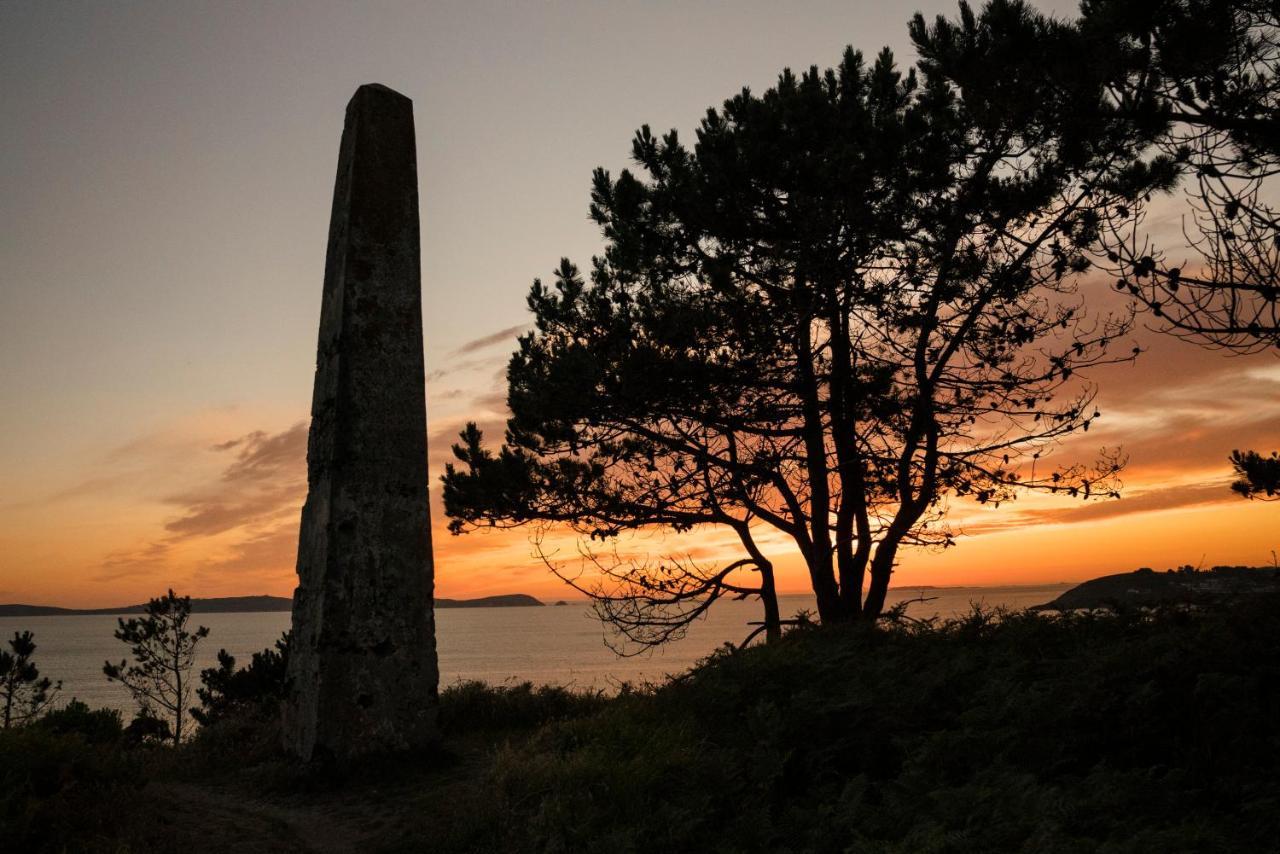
166, 170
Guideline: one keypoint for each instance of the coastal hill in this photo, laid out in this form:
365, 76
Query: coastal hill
1147, 588
252, 604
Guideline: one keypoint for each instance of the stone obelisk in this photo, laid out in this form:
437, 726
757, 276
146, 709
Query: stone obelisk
362, 664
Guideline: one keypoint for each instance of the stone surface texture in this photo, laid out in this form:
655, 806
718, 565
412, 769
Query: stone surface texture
363, 675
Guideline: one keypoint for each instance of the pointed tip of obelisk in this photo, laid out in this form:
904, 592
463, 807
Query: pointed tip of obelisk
377, 90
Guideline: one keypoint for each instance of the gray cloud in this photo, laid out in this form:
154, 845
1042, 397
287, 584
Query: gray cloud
258, 492
265, 480
477, 344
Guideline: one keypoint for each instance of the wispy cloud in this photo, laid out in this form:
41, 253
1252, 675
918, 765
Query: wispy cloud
267, 478
252, 502
1147, 501
486, 341
465, 365
140, 560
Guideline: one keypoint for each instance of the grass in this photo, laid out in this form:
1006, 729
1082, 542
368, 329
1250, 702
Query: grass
996, 732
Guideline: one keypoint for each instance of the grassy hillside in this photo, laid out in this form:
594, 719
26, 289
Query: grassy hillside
1075, 734
1146, 588
1028, 733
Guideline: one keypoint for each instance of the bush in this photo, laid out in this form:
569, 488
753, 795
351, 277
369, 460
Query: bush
147, 729
95, 726
473, 705
254, 691
61, 792
992, 732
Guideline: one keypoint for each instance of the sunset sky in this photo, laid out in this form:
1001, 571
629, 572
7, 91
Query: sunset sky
165, 179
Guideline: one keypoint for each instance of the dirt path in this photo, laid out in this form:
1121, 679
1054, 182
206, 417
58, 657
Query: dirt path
224, 820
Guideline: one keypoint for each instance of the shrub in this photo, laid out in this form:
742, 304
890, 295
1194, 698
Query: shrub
473, 705
60, 792
95, 726
996, 731
254, 691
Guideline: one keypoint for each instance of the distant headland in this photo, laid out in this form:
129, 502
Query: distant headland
252, 604
1144, 588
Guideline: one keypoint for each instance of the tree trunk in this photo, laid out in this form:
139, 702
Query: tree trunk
881, 571
177, 673
769, 597
822, 579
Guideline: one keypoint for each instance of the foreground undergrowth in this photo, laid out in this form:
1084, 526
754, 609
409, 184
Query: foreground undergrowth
994, 732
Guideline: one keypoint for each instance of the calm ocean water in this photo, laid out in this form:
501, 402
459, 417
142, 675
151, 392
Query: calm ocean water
562, 645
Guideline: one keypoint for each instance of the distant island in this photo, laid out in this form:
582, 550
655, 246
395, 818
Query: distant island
1146, 588
252, 604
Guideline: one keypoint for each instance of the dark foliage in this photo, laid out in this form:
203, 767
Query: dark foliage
95, 726
146, 728
852, 297
67, 783
252, 691
1259, 476
163, 652
24, 694
994, 732
474, 706
1197, 80
1131, 732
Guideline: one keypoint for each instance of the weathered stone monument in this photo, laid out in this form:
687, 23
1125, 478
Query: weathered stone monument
362, 664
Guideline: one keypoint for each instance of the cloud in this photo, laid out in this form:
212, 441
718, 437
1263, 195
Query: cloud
465, 365
472, 347
134, 562
484, 342
251, 503
260, 561
265, 480
1151, 500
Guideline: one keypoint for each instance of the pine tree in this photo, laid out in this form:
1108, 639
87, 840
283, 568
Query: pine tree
163, 652
23, 692
852, 297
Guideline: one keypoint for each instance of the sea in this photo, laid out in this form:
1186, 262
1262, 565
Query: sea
554, 645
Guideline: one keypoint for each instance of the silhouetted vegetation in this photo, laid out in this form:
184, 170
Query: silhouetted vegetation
67, 782
252, 691
474, 706
992, 732
1197, 82
850, 301
95, 726
163, 652
1259, 476
853, 297
24, 694
1139, 731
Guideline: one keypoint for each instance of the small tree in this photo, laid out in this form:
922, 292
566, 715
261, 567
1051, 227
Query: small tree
253, 690
163, 653
24, 693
